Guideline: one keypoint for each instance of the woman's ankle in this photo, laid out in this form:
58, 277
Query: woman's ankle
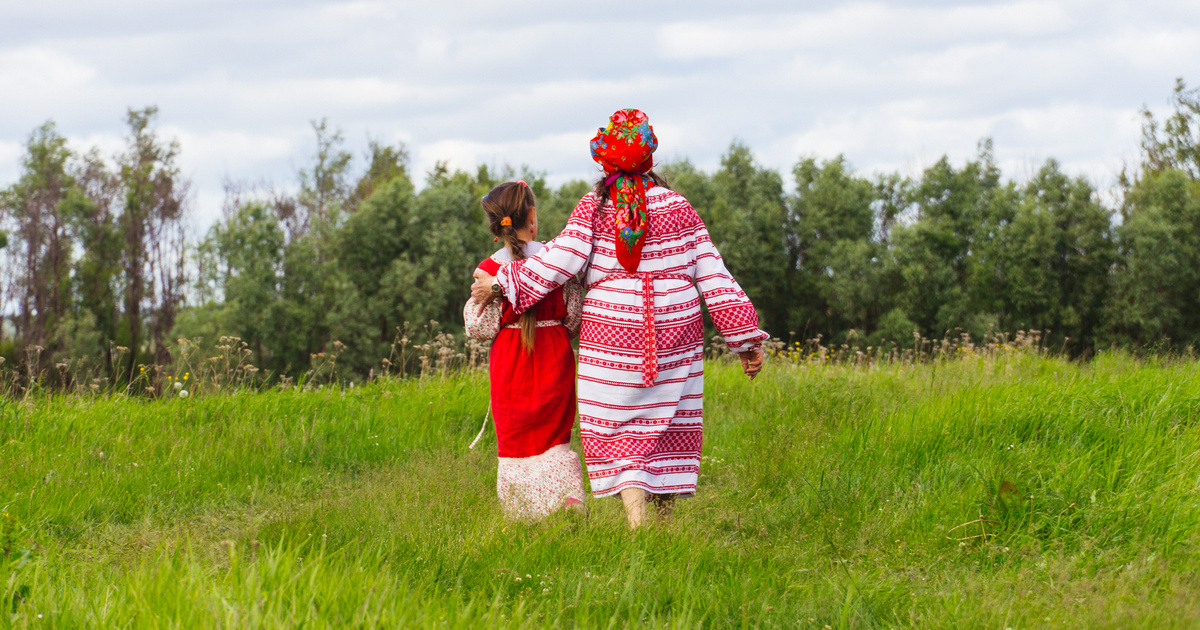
635, 506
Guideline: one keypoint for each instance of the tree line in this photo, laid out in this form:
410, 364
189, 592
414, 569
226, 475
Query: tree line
99, 265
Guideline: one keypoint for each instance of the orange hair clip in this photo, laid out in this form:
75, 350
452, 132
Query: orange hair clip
506, 221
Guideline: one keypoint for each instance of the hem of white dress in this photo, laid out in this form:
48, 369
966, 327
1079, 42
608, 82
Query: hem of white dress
682, 490
530, 488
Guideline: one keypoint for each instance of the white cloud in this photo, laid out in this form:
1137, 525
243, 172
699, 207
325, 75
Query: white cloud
899, 138
861, 25
10, 160
467, 154
236, 150
891, 84
37, 68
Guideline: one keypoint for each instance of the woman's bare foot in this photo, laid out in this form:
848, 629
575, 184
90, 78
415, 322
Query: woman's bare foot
635, 506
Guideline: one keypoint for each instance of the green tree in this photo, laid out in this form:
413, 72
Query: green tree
151, 214
386, 163
1055, 259
38, 207
694, 184
311, 274
1175, 145
250, 249
97, 272
407, 259
325, 186
839, 265
555, 207
1156, 284
936, 258
747, 222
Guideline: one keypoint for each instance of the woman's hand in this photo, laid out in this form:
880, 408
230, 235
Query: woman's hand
481, 290
752, 362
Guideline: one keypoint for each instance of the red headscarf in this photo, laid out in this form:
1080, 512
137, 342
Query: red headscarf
625, 148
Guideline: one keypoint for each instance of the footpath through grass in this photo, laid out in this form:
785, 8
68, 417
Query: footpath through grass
1017, 492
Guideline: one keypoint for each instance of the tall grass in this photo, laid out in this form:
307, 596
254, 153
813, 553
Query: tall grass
1002, 489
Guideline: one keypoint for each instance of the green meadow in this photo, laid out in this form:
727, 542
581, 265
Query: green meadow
1012, 491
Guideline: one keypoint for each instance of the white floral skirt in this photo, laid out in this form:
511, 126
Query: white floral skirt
531, 488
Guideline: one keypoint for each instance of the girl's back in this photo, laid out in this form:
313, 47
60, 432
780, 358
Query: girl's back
532, 373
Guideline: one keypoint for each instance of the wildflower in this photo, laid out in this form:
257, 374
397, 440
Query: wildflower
178, 385
183, 393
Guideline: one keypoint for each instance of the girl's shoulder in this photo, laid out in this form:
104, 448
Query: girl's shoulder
489, 266
492, 263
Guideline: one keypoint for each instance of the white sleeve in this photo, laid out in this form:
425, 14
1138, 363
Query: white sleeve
730, 309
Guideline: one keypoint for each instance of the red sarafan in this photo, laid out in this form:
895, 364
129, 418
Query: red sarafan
533, 401
531, 370
533, 391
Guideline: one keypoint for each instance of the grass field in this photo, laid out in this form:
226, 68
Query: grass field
1011, 492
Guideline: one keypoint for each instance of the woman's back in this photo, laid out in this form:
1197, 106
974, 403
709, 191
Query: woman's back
678, 250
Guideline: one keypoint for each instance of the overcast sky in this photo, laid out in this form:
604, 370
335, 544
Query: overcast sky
892, 85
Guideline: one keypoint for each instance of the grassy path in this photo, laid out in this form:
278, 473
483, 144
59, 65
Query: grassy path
1018, 492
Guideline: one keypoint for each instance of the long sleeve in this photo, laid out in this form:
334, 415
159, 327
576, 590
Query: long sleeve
483, 324
730, 309
559, 261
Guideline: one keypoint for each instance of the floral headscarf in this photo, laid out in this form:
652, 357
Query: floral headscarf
625, 148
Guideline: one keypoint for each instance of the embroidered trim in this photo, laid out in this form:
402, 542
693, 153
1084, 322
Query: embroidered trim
649, 339
542, 323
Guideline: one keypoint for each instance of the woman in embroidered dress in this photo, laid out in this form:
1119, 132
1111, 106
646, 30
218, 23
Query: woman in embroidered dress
532, 370
647, 260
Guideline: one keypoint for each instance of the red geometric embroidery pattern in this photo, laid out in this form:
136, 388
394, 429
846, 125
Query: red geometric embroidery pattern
614, 340
630, 445
649, 343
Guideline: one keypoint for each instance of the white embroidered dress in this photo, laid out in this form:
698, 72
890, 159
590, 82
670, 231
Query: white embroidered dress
636, 435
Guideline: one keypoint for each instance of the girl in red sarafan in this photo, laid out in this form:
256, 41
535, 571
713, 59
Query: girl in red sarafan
532, 370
